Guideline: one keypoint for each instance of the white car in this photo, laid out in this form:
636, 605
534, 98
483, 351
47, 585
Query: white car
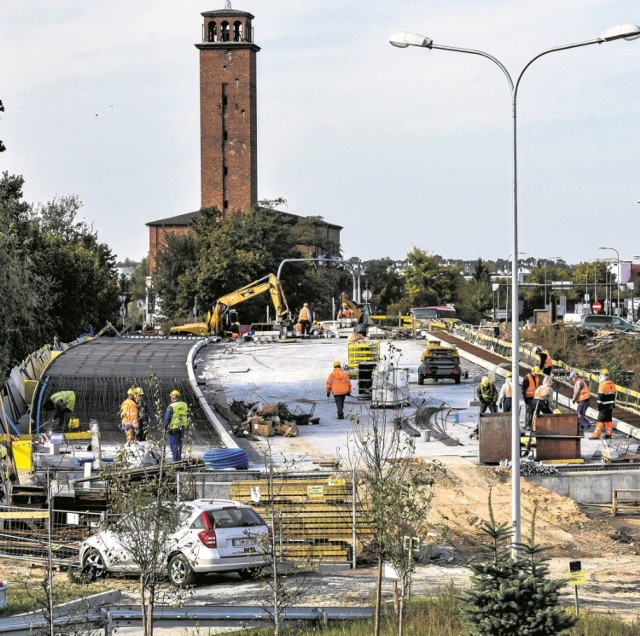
213, 536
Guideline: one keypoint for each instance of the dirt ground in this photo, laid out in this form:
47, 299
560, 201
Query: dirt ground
607, 547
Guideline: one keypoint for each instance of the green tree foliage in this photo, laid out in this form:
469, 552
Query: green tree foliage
384, 282
428, 282
56, 277
513, 596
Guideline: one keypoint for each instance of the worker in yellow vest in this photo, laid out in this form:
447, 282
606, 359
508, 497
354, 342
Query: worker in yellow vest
581, 395
338, 384
606, 404
129, 416
176, 420
63, 402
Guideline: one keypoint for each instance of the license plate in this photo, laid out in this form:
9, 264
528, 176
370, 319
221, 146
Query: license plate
242, 542
249, 550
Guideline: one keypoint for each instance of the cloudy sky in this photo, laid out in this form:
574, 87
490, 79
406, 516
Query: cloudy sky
403, 147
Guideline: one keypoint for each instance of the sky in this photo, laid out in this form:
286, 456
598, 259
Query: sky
402, 147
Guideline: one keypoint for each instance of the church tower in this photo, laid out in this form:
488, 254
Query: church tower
228, 118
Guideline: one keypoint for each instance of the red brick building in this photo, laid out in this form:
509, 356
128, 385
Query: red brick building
228, 126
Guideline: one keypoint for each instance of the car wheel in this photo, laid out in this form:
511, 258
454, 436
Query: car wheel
420, 379
93, 561
457, 379
180, 572
249, 574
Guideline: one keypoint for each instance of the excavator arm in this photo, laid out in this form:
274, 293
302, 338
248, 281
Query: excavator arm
216, 319
361, 313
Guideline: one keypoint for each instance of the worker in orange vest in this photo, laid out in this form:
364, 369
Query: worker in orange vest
530, 383
339, 384
129, 417
546, 361
542, 398
606, 404
345, 313
506, 394
581, 395
304, 318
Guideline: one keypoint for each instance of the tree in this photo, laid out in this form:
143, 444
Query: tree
513, 595
427, 282
385, 283
395, 495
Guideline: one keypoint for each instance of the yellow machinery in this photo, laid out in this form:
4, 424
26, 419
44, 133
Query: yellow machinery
215, 323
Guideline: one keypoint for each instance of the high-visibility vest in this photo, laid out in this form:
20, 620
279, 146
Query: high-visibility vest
533, 384
548, 361
305, 314
179, 416
607, 393
541, 392
68, 399
509, 389
584, 393
338, 382
129, 412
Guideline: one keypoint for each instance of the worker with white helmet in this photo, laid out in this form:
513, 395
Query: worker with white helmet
506, 394
176, 419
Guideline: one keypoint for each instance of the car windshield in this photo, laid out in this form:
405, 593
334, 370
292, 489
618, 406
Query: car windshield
234, 518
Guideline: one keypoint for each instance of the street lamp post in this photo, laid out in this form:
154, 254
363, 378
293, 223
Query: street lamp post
403, 40
613, 249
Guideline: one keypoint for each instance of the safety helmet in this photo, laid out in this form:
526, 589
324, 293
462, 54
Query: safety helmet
139, 391
537, 350
306, 304
485, 380
344, 305
535, 369
237, 324
573, 374
604, 372
509, 374
175, 393
337, 364
131, 391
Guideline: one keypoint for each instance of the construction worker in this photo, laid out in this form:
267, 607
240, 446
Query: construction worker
345, 313
176, 419
304, 318
546, 361
63, 402
129, 416
487, 394
542, 398
339, 384
143, 414
506, 394
530, 383
581, 395
606, 404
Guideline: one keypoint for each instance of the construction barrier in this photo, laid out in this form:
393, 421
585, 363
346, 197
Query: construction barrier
358, 352
625, 397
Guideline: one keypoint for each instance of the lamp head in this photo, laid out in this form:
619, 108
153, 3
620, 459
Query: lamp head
403, 40
624, 32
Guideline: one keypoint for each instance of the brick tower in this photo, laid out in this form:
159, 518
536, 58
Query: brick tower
228, 121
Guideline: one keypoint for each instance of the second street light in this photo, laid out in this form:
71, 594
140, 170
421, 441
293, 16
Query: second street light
403, 40
613, 249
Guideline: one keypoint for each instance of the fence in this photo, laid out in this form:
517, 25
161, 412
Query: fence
315, 518
625, 397
29, 533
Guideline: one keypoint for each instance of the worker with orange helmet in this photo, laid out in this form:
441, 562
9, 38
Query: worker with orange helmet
338, 384
606, 404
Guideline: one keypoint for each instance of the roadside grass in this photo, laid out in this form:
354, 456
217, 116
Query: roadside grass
26, 593
440, 614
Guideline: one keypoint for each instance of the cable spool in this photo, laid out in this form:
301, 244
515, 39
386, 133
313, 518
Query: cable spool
222, 458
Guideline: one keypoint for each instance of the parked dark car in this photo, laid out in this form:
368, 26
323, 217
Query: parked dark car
602, 321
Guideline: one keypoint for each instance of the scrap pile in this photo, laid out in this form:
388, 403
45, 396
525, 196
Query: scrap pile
266, 420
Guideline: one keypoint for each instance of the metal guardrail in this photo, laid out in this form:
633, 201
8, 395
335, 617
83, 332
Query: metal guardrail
625, 397
111, 617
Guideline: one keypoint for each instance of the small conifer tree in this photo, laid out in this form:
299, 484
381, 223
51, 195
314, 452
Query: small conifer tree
513, 595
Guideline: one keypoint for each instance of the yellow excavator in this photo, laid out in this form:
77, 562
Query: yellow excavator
217, 319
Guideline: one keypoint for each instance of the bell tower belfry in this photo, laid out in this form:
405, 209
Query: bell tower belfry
228, 119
